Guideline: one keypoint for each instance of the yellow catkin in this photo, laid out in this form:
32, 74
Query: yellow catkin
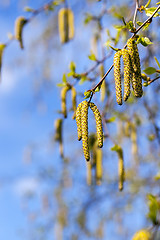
19, 24
121, 169
66, 24
136, 68
99, 169
74, 103
63, 100
78, 121
127, 73
103, 86
134, 143
89, 173
58, 134
84, 125
117, 76
98, 124
142, 234
2, 47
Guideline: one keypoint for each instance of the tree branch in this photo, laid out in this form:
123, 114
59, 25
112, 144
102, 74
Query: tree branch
138, 29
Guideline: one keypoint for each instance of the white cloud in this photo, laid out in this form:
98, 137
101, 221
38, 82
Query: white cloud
26, 185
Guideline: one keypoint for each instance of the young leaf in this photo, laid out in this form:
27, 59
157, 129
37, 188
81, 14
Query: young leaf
83, 79
64, 79
87, 94
92, 57
150, 11
115, 49
72, 66
149, 70
144, 41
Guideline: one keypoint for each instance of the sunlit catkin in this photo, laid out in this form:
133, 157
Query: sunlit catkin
142, 234
120, 169
66, 24
103, 86
117, 76
89, 173
84, 125
2, 47
58, 134
78, 121
63, 100
98, 119
74, 103
99, 170
136, 68
19, 24
127, 73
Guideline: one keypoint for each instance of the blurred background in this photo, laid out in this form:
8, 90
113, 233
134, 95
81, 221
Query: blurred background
43, 193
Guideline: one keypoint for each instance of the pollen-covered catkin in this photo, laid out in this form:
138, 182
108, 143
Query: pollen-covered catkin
121, 169
74, 103
66, 24
63, 100
19, 24
103, 86
117, 76
136, 67
78, 121
2, 47
98, 166
98, 124
127, 73
89, 173
84, 125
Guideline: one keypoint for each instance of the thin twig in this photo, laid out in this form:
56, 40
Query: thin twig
151, 81
135, 13
138, 29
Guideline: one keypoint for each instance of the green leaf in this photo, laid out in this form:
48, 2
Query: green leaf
144, 41
87, 94
130, 26
150, 11
72, 66
154, 207
83, 79
88, 18
28, 9
119, 27
64, 79
116, 148
145, 26
157, 62
149, 70
92, 56
110, 120
61, 84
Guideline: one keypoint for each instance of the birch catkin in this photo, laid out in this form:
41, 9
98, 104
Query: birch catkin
127, 73
99, 170
84, 125
136, 68
78, 121
63, 100
2, 47
121, 169
98, 123
117, 76
19, 24
66, 24
74, 103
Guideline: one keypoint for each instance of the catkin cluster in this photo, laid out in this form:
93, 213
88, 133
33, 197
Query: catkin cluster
132, 72
82, 126
63, 100
19, 24
66, 24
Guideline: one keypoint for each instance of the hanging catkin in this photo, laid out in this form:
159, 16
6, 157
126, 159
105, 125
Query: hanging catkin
2, 47
127, 73
78, 121
74, 103
117, 76
66, 24
121, 169
63, 99
136, 68
98, 123
19, 24
84, 124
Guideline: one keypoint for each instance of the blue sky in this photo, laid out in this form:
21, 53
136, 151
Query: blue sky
27, 117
